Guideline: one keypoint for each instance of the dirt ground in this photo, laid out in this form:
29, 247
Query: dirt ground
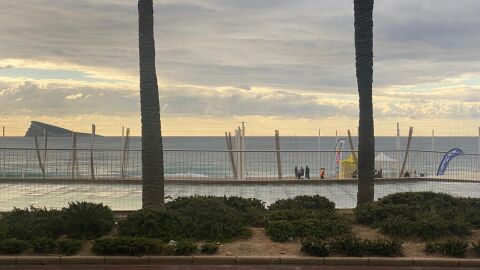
260, 244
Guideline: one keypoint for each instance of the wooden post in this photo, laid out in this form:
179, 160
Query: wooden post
410, 132
433, 139
277, 149
45, 142
352, 149
319, 137
74, 154
92, 168
39, 157
228, 138
398, 136
244, 154
240, 153
3, 131
125, 152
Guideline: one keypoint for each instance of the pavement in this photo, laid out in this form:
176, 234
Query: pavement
215, 267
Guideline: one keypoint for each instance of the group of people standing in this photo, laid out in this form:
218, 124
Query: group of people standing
305, 173
302, 173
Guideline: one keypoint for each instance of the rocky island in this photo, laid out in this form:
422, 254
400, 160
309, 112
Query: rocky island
38, 128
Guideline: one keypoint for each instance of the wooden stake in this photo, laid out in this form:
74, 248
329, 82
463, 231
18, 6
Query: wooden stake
398, 136
228, 138
92, 168
45, 142
410, 132
277, 148
352, 149
74, 154
125, 152
38, 156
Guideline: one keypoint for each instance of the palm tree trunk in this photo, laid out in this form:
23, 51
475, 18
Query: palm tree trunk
364, 67
152, 148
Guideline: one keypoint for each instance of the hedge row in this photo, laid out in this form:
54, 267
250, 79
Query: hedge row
197, 218
79, 220
352, 246
426, 215
305, 216
41, 246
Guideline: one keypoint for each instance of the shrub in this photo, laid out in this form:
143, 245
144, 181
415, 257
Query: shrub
253, 210
13, 246
155, 223
185, 248
69, 246
427, 215
43, 245
451, 247
280, 231
319, 248
382, 247
87, 220
30, 223
209, 248
305, 216
209, 218
304, 202
351, 246
133, 246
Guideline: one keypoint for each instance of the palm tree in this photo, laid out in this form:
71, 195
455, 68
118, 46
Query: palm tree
364, 67
152, 148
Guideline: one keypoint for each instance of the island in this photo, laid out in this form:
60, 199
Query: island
38, 129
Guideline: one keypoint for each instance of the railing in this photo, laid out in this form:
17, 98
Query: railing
54, 177
97, 164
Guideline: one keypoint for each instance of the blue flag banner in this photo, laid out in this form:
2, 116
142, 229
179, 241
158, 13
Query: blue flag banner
447, 158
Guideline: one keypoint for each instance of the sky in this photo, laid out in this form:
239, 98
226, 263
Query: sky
275, 64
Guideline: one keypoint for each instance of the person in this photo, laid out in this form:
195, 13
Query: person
380, 173
415, 173
322, 173
296, 172
302, 172
307, 172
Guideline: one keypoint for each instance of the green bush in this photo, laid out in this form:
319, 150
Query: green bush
87, 220
315, 247
198, 218
427, 215
305, 216
185, 248
253, 210
13, 246
155, 223
351, 246
132, 246
451, 247
30, 223
43, 245
209, 248
280, 231
209, 218
69, 246
315, 202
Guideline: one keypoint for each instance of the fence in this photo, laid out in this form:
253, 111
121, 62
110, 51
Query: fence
53, 177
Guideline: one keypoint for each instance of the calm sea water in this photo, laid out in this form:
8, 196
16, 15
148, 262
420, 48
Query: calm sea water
467, 144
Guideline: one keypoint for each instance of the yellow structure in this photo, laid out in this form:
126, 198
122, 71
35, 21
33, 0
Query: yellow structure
347, 167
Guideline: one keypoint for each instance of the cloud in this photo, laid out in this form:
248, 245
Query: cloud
74, 96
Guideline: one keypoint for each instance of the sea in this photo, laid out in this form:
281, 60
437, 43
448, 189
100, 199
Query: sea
127, 196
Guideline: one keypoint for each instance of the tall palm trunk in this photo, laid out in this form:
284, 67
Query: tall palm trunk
152, 148
364, 67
